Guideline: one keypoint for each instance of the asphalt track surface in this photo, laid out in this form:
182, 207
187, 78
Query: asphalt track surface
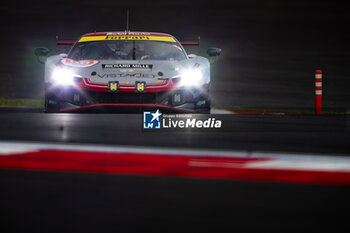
288, 133
42, 201
83, 202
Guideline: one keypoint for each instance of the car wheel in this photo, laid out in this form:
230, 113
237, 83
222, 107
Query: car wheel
52, 105
203, 106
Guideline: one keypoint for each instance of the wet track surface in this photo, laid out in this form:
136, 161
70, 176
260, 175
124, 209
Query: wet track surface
72, 202
295, 133
39, 201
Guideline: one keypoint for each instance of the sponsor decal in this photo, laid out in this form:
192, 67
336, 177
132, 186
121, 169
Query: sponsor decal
144, 67
179, 121
78, 64
95, 75
134, 75
127, 38
128, 33
112, 37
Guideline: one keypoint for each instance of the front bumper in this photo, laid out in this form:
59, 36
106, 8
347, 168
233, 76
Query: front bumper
191, 99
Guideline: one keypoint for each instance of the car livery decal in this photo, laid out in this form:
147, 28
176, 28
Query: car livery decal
79, 64
144, 67
106, 37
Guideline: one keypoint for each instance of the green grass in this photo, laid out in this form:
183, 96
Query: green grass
21, 102
286, 111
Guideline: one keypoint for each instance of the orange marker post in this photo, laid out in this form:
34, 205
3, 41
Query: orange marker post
318, 91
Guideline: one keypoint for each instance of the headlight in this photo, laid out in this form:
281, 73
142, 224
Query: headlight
63, 77
193, 77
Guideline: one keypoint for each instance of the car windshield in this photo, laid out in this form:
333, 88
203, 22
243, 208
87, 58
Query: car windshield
128, 50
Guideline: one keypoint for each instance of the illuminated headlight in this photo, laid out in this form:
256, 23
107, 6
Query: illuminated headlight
63, 77
193, 77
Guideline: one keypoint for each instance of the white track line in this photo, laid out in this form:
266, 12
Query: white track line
317, 165
220, 111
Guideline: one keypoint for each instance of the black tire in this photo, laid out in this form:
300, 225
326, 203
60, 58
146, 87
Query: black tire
52, 105
203, 111
204, 108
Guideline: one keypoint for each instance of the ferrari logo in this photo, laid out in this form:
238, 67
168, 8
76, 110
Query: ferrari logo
113, 86
140, 86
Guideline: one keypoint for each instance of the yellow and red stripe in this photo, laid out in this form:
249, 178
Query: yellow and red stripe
126, 37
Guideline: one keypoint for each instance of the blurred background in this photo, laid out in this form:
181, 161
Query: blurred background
270, 48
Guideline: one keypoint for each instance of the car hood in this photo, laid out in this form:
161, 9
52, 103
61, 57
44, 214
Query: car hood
130, 71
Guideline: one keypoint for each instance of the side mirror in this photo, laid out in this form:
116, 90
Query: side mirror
214, 54
41, 52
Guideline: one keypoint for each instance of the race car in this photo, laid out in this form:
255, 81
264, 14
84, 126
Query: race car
127, 68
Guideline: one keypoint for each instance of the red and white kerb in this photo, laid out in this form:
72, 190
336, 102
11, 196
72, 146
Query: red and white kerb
318, 91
